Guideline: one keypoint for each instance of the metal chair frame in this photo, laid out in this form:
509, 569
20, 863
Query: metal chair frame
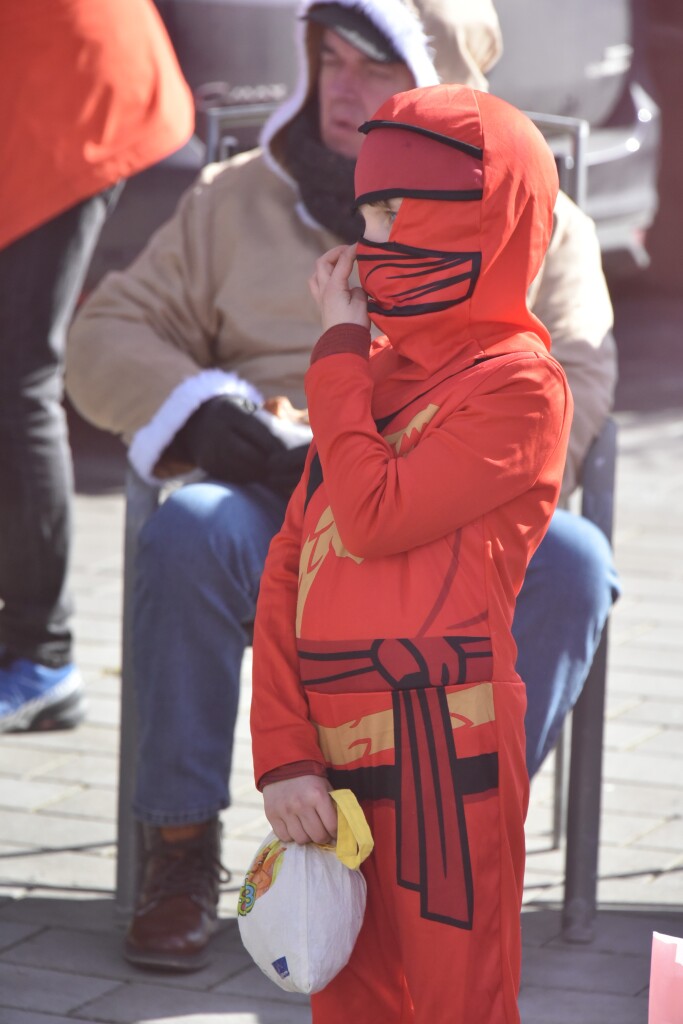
583, 798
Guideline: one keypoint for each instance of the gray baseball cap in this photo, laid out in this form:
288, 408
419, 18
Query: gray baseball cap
355, 28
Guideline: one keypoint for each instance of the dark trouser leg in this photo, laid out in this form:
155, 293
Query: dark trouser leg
41, 275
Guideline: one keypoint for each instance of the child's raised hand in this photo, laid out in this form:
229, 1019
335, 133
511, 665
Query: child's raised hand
329, 284
301, 810
281, 407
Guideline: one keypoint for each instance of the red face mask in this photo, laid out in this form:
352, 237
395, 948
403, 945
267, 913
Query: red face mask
404, 280
477, 184
401, 279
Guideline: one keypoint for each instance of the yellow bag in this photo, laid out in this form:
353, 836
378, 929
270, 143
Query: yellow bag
301, 907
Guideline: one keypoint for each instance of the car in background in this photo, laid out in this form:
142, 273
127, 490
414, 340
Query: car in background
584, 60
578, 60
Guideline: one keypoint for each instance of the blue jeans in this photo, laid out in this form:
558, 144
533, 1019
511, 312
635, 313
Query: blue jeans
41, 275
200, 559
569, 588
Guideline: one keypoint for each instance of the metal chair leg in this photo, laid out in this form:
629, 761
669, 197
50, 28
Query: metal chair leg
583, 812
560, 777
141, 501
585, 773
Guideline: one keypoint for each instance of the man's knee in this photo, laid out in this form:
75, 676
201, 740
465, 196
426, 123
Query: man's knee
576, 559
184, 526
210, 528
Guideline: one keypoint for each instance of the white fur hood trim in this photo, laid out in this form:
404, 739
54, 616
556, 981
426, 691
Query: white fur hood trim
152, 439
395, 20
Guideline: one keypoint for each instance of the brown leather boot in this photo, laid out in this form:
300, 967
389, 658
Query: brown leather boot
176, 911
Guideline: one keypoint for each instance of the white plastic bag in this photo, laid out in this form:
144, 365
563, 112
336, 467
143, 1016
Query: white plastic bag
301, 907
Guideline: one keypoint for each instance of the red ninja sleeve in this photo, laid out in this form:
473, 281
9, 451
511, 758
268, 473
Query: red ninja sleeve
512, 429
280, 727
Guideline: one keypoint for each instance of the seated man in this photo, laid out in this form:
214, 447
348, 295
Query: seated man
178, 354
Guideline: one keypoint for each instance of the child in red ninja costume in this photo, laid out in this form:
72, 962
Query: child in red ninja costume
383, 657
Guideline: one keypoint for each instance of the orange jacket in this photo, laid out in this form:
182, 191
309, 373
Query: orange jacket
437, 462
91, 92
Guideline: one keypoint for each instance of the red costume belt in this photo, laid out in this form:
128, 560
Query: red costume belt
428, 781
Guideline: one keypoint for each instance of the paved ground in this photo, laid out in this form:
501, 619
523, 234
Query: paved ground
59, 938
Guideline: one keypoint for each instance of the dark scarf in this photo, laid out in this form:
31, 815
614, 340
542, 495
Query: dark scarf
325, 179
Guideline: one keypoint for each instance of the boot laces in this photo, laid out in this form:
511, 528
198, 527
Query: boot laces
188, 868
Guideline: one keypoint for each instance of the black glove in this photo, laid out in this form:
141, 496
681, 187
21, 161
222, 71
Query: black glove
226, 440
285, 469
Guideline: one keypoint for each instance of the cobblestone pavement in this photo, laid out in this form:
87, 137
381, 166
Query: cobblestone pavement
60, 940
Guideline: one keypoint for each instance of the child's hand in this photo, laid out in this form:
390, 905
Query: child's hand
329, 284
301, 810
281, 407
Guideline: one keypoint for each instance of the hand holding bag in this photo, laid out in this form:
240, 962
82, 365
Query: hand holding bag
301, 907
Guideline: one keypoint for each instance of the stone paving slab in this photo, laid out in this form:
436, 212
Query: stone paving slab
88, 738
668, 743
11, 933
65, 870
568, 1007
72, 909
588, 971
20, 761
163, 1004
100, 804
98, 954
104, 711
648, 657
15, 1016
252, 982
649, 801
641, 684
618, 930
668, 836
621, 735
52, 831
634, 766
31, 794
32, 988
97, 657
627, 829
97, 769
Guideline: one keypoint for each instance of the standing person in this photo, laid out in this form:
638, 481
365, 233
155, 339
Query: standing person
383, 653
177, 352
93, 94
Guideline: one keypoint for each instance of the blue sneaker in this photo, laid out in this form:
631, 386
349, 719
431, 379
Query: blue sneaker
34, 696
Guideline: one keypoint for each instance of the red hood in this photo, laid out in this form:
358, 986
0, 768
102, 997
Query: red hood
480, 185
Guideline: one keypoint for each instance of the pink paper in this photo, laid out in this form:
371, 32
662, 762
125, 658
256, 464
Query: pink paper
666, 980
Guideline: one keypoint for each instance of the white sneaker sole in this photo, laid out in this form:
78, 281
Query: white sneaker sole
62, 707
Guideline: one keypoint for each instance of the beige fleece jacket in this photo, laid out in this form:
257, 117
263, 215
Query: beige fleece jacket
222, 285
